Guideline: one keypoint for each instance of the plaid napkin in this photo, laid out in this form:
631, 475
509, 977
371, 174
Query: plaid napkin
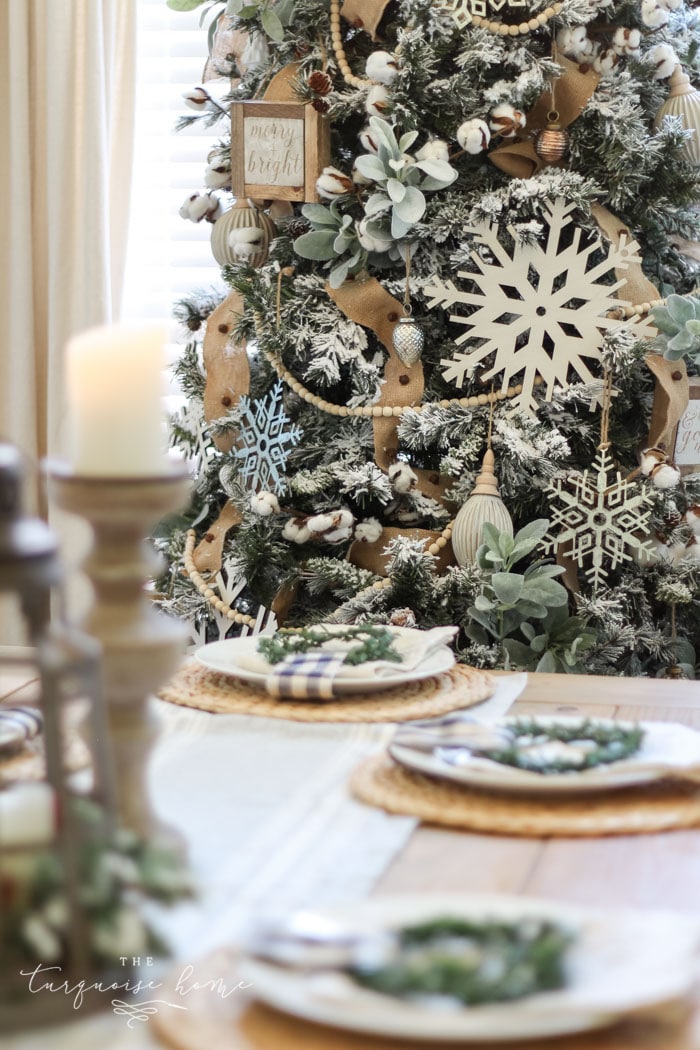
17, 725
305, 676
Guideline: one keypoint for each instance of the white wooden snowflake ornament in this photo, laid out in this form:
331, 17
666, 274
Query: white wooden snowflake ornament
463, 10
594, 518
539, 308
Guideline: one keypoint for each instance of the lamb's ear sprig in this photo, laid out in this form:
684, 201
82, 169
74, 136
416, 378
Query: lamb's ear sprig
679, 327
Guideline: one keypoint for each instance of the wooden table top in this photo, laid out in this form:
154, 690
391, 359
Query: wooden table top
660, 870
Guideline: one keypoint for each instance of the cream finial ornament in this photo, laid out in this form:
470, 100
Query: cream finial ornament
483, 506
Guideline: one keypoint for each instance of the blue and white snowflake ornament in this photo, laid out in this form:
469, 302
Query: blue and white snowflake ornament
265, 439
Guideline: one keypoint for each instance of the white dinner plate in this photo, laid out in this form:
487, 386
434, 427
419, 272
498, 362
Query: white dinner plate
668, 749
223, 657
619, 963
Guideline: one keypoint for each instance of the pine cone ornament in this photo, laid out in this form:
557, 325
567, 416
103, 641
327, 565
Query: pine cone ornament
297, 227
320, 82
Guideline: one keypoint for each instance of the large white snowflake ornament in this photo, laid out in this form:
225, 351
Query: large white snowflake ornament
594, 517
539, 308
265, 438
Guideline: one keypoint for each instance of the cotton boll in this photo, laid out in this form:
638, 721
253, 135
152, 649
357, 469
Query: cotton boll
333, 183
217, 175
264, 504
373, 242
246, 241
666, 476
368, 141
605, 61
474, 135
434, 149
368, 531
319, 523
671, 5
575, 43
295, 531
506, 120
401, 478
196, 99
626, 42
193, 208
692, 517
655, 465
654, 15
358, 178
377, 102
382, 67
664, 60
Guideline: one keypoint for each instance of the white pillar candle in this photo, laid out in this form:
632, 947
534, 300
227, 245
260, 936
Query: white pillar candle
27, 814
114, 388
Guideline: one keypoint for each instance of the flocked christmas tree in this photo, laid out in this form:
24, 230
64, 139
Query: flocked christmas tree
456, 240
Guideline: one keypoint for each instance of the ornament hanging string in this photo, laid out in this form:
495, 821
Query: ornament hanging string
407, 286
605, 409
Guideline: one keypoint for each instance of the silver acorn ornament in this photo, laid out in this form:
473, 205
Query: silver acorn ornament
484, 505
683, 101
242, 234
408, 339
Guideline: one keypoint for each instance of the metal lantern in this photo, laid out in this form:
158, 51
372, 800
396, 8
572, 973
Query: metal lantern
552, 143
41, 819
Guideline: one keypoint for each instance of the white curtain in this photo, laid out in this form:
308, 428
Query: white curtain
67, 71
67, 75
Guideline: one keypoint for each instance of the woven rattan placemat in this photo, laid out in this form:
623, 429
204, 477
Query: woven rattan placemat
381, 782
29, 764
196, 686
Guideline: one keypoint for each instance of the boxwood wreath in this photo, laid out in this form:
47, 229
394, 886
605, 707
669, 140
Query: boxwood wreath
613, 743
472, 962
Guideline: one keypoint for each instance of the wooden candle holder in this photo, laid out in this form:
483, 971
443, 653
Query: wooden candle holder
141, 646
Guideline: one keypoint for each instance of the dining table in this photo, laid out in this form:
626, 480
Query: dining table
641, 871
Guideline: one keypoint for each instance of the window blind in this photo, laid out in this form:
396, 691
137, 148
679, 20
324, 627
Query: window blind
167, 256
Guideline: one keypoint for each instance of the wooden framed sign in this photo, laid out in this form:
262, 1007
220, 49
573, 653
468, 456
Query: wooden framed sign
278, 151
686, 449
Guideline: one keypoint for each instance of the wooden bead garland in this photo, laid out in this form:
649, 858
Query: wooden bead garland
501, 29
206, 590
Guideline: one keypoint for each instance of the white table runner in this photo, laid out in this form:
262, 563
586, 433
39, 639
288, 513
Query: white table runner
264, 807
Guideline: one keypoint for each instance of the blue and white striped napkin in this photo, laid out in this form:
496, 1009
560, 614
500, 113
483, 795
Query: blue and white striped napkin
305, 676
17, 725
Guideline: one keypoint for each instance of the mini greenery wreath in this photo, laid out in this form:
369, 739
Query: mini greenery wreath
613, 742
374, 643
473, 962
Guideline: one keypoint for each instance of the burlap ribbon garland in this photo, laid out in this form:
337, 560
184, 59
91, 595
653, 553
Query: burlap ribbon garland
373, 556
366, 302
672, 393
227, 369
364, 14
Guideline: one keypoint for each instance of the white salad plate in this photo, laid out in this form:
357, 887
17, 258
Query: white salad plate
619, 963
668, 750
225, 657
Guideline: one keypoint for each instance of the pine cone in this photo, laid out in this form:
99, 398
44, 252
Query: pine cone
296, 227
320, 82
320, 105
